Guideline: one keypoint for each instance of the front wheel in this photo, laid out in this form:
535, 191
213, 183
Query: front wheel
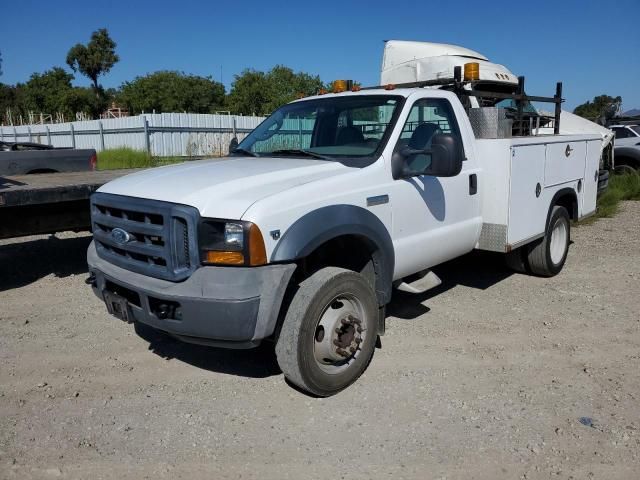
547, 256
329, 332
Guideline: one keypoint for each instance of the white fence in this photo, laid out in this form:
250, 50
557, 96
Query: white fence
161, 134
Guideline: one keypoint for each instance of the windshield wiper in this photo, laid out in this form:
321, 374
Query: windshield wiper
245, 152
307, 153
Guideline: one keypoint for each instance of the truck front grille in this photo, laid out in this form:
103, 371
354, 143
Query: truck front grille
150, 237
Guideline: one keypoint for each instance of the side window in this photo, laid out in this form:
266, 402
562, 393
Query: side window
363, 125
621, 133
428, 117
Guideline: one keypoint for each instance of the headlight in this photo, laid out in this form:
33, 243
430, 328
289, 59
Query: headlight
230, 243
234, 235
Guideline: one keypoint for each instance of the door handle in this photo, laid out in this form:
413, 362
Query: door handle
473, 184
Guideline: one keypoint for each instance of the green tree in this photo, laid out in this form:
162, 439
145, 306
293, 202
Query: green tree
285, 86
51, 92
259, 92
95, 58
249, 93
601, 110
47, 92
80, 99
8, 100
170, 91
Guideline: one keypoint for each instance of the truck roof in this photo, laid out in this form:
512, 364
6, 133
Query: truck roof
404, 92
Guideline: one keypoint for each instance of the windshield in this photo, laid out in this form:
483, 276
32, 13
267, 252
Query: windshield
332, 128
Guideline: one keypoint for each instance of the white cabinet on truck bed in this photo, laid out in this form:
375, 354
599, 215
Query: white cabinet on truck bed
522, 175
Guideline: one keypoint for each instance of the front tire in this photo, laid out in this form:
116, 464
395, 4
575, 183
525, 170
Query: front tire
547, 256
329, 332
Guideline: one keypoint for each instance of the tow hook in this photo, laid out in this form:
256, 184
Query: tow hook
91, 280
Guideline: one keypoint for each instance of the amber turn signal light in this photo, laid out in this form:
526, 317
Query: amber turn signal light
224, 258
257, 251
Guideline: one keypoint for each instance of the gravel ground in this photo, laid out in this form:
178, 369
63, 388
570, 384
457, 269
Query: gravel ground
493, 375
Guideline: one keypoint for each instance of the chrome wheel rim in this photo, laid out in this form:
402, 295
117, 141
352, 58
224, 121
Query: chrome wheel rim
558, 244
339, 333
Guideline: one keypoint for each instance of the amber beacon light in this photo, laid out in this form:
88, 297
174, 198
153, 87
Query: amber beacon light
471, 71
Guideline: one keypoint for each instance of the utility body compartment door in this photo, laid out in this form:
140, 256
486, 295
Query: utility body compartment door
591, 173
565, 162
527, 210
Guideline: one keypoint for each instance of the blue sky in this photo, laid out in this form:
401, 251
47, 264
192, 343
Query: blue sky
592, 46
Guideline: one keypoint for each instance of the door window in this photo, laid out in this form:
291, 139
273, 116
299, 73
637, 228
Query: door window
427, 118
621, 133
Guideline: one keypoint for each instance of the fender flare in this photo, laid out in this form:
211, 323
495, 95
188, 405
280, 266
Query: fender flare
326, 223
567, 191
628, 153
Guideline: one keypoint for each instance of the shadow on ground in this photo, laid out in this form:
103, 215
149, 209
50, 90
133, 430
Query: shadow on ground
257, 362
25, 262
478, 270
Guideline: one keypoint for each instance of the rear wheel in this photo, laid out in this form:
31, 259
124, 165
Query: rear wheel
625, 170
547, 256
329, 332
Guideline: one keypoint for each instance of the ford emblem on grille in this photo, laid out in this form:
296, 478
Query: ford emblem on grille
120, 236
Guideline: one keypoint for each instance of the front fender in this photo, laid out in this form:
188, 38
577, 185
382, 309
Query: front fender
326, 223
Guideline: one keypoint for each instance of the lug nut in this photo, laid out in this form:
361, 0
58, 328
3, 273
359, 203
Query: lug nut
344, 321
358, 340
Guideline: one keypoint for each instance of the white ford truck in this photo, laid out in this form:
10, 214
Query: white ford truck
301, 234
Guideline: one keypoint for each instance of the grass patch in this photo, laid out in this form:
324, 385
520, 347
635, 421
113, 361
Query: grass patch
118, 158
621, 187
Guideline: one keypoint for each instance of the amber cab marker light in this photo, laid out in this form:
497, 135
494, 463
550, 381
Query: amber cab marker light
339, 86
389, 86
224, 258
356, 88
257, 251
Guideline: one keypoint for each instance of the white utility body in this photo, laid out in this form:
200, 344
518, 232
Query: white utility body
301, 233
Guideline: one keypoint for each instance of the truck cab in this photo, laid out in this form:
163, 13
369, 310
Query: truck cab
301, 234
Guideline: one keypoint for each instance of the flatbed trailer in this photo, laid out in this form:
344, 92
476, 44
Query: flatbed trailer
49, 202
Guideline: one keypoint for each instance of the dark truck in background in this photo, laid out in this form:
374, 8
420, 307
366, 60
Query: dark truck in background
45, 189
31, 158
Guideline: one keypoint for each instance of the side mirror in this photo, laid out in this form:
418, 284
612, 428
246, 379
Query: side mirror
233, 144
446, 156
442, 159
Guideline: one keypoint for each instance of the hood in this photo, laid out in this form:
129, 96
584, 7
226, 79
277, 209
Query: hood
222, 188
572, 124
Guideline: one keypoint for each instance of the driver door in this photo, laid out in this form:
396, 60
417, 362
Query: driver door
434, 218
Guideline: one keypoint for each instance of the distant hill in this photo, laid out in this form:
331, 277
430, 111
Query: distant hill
632, 113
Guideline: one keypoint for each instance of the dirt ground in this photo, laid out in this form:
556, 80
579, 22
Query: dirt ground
492, 375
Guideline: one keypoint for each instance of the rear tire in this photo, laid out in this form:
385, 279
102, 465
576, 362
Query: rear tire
547, 256
625, 170
329, 332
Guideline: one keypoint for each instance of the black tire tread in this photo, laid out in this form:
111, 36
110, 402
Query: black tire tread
537, 257
287, 345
